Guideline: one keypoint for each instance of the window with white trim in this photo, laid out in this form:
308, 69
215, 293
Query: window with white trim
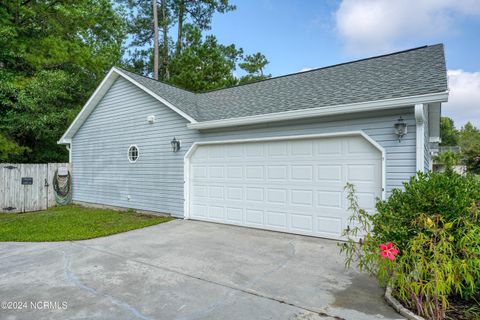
133, 153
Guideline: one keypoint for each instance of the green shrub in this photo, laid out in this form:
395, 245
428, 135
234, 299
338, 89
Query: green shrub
435, 224
450, 195
448, 159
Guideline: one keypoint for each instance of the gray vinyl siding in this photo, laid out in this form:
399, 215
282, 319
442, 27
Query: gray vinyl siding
102, 173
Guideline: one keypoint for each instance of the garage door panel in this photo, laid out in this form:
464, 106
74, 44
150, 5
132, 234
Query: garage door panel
216, 172
216, 192
216, 152
199, 171
329, 199
199, 211
301, 223
361, 173
254, 150
277, 149
234, 151
302, 197
367, 200
276, 196
254, 217
301, 148
254, 172
358, 145
276, 219
234, 214
235, 193
329, 173
254, 194
216, 213
277, 172
328, 147
329, 226
291, 185
200, 191
235, 172
301, 172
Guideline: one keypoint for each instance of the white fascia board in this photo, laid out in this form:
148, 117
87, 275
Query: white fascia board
323, 111
98, 94
162, 100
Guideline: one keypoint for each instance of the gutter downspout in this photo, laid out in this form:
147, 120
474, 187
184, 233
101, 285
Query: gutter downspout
420, 137
69, 148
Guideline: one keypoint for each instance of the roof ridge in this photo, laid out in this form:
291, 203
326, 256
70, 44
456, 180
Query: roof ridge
325, 67
162, 82
290, 74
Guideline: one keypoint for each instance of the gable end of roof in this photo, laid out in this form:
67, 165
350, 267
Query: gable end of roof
100, 92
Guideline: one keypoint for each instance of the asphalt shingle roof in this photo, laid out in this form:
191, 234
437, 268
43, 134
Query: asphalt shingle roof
182, 99
407, 73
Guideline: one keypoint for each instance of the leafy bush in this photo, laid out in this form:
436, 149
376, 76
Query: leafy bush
435, 225
451, 195
448, 159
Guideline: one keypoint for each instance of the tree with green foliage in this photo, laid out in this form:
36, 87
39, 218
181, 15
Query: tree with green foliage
254, 65
141, 30
52, 56
204, 64
448, 132
448, 159
469, 142
54, 53
198, 13
191, 61
182, 13
9, 149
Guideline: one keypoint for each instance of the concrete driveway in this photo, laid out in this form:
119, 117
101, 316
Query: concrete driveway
186, 270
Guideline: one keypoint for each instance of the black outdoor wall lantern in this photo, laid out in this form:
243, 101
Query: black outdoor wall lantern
175, 144
400, 128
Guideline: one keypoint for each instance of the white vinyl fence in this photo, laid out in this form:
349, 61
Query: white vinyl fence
27, 187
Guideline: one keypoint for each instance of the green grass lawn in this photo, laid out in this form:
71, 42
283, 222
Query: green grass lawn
71, 223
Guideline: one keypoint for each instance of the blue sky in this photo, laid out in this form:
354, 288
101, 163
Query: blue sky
297, 35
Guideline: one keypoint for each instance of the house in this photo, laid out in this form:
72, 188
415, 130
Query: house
275, 154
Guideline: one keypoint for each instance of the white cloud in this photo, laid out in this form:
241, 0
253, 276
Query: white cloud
305, 69
464, 101
377, 25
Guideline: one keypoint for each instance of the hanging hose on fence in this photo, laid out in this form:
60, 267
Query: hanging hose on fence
62, 185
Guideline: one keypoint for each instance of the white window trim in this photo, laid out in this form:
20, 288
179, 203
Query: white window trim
195, 145
128, 153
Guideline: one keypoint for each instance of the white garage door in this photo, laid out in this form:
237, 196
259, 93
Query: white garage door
284, 185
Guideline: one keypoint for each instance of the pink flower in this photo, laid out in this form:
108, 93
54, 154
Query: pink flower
388, 251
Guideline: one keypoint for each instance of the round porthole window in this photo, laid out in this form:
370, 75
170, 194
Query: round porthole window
133, 153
